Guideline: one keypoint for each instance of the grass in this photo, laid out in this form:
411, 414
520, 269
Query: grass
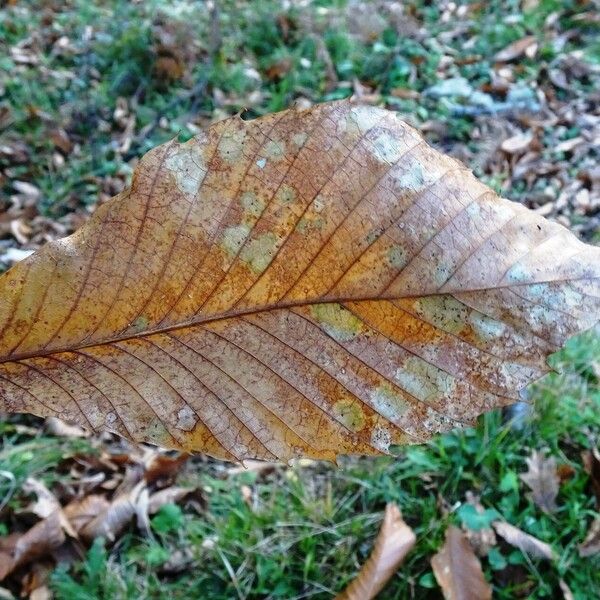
308, 528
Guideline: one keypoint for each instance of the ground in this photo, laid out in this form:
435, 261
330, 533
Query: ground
509, 88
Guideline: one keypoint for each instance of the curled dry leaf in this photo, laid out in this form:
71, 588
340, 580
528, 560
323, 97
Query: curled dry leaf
115, 517
458, 570
314, 282
523, 541
394, 541
542, 478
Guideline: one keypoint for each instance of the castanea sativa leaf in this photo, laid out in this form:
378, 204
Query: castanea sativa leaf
458, 570
394, 541
313, 282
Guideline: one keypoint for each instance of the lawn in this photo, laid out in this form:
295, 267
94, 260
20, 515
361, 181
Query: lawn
87, 87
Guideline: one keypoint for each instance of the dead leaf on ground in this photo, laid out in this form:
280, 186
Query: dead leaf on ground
81, 511
114, 517
542, 478
523, 541
17, 550
591, 544
394, 541
591, 464
517, 144
314, 282
163, 467
525, 46
457, 569
174, 495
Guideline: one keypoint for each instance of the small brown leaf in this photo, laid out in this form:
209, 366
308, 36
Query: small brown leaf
523, 541
393, 543
543, 480
591, 464
115, 517
526, 45
173, 495
458, 570
163, 467
591, 544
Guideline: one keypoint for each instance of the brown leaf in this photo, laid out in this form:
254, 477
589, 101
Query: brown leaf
173, 495
17, 550
81, 511
591, 463
543, 480
163, 466
114, 518
523, 541
526, 45
394, 541
458, 570
315, 282
591, 544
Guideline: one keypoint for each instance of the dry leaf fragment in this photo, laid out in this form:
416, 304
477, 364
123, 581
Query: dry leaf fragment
517, 144
394, 541
591, 544
458, 570
526, 45
315, 282
523, 541
542, 478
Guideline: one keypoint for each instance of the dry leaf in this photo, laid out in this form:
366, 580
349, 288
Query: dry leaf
394, 541
591, 544
458, 570
81, 511
517, 143
526, 45
523, 541
163, 467
314, 282
115, 517
17, 549
591, 463
542, 478
173, 495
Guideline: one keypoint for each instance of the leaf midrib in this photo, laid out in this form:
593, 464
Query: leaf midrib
271, 307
